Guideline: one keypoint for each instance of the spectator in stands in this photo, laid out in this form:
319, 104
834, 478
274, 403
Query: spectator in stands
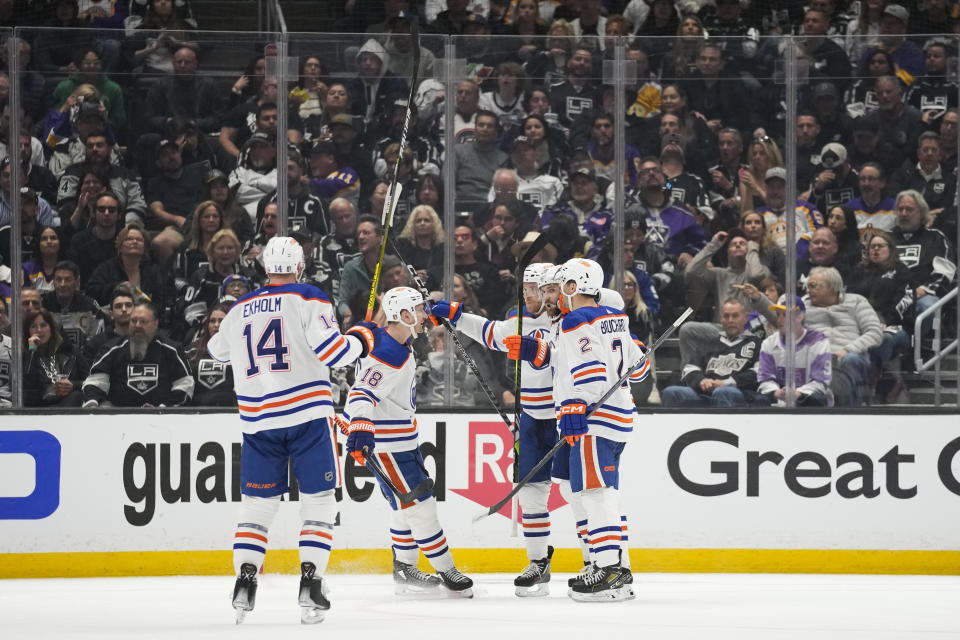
764, 155
184, 94
806, 216
948, 139
337, 247
89, 70
420, 243
357, 274
672, 228
254, 116
538, 189
93, 184
497, 243
551, 152
132, 265
827, 105
824, 252
213, 380
30, 301
935, 91
35, 176
506, 188
585, 206
851, 326
824, 57
868, 146
222, 260
601, 149
716, 99
305, 211
256, 172
872, 209
172, 196
927, 176
477, 161
861, 98
926, 251
235, 217
99, 150
157, 40
41, 209
743, 260
725, 177
374, 86
38, 271
662, 22
67, 298
31, 225
121, 306
96, 243
808, 148
484, 278
863, 30
506, 100
686, 188
329, 179
681, 60
579, 93
885, 282
842, 221
65, 129
467, 103
53, 367
204, 222
898, 123
144, 370
726, 376
906, 54
429, 190
248, 85
838, 182
674, 101
56, 46
811, 358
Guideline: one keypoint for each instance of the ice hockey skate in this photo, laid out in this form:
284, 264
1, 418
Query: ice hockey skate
584, 571
313, 595
409, 580
534, 582
603, 584
245, 591
456, 583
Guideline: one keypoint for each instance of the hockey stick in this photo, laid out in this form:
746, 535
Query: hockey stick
393, 193
525, 261
562, 441
418, 492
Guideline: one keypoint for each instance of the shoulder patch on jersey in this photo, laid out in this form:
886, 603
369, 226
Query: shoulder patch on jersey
389, 351
579, 316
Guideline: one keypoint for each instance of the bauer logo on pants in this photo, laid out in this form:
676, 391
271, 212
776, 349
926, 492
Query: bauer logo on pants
29, 475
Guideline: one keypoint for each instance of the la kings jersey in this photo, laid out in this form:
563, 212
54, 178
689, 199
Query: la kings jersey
160, 378
732, 359
593, 350
385, 393
536, 394
281, 341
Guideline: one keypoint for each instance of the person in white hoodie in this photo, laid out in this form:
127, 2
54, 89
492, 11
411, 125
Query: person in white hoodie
256, 172
374, 86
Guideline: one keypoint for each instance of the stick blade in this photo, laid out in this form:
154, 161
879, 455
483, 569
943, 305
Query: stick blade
419, 491
480, 516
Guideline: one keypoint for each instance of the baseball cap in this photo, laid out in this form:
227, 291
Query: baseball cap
833, 155
342, 118
782, 304
824, 89
897, 11
215, 174
260, 138
519, 140
323, 146
775, 172
583, 171
166, 142
26, 193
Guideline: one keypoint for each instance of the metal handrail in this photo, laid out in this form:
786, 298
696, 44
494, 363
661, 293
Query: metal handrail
938, 354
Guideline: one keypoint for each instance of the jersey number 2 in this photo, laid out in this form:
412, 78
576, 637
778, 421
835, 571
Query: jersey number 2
269, 345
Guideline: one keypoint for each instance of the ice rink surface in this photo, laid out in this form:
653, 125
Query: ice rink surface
672, 606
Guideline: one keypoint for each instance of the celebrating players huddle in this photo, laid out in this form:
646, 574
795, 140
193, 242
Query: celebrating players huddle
281, 341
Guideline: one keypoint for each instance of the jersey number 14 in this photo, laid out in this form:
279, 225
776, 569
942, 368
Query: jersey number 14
269, 345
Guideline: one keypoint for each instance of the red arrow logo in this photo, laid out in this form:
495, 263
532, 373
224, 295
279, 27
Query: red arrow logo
490, 467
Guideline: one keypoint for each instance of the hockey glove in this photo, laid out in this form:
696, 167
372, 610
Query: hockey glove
363, 331
573, 421
361, 440
532, 350
444, 309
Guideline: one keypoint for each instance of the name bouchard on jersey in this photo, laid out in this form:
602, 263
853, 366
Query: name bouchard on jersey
270, 304
613, 325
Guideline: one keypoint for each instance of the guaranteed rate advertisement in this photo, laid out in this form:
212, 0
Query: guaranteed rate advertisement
104, 483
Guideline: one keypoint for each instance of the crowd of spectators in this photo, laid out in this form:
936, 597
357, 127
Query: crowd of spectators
149, 187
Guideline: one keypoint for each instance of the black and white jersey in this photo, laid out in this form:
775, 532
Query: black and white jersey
732, 359
213, 383
160, 378
929, 256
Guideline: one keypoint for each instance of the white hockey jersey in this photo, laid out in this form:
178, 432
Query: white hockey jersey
385, 394
281, 341
593, 350
536, 394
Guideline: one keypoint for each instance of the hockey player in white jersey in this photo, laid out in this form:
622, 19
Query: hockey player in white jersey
591, 351
381, 410
538, 424
280, 341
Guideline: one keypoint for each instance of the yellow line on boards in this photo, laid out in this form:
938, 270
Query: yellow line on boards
167, 563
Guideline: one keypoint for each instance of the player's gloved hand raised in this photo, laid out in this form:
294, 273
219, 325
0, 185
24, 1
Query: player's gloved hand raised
364, 332
528, 348
360, 442
573, 421
444, 309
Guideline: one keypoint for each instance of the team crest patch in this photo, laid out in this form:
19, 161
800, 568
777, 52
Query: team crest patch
211, 373
143, 378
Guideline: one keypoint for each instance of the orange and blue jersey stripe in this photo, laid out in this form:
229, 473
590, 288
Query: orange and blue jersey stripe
593, 371
285, 401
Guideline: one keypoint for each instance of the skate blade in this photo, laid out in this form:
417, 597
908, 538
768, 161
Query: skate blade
241, 614
450, 593
312, 615
536, 591
614, 595
416, 591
